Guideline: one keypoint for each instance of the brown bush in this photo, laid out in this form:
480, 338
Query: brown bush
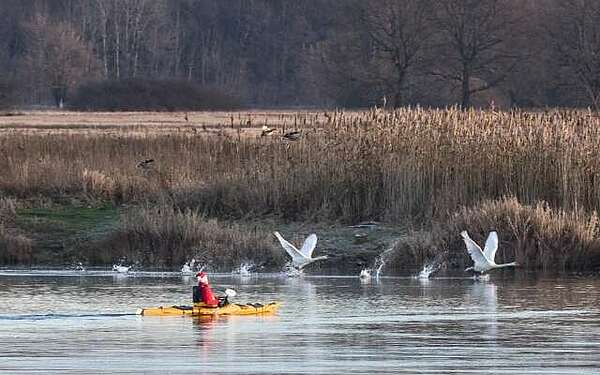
8, 210
164, 237
14, 248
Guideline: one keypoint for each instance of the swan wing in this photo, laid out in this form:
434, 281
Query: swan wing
474, 250
288, 247
309, 245
491, 246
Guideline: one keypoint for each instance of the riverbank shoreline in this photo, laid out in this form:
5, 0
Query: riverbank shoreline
67, 235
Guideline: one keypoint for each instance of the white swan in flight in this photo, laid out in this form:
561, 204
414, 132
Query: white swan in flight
301, 258
483, 260
121, 269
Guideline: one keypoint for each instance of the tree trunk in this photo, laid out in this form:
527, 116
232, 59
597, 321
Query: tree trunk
117, 48
466, 90
177, 54
104, 20
399, 82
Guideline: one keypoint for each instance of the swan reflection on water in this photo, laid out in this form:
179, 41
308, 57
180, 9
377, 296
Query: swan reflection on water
482, 299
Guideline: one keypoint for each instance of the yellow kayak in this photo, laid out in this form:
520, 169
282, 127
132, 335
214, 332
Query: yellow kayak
199, 309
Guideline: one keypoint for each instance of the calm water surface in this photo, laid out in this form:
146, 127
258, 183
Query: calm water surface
511, 324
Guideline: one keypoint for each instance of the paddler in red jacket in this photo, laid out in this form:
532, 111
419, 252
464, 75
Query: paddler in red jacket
206, 294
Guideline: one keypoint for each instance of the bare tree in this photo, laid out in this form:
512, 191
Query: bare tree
58, 56
472, 44
318, 52
576, 40
398, 30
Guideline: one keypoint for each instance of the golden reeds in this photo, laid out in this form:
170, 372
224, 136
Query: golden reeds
408, 163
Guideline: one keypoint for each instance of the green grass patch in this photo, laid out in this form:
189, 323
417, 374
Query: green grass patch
60, 231
68, 219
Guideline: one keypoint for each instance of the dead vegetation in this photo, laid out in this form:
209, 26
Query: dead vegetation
14, 247
537, 237
373, 165
404, 166
166, 237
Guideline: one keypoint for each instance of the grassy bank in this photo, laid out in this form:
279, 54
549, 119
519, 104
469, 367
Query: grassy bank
161, 236
406, 167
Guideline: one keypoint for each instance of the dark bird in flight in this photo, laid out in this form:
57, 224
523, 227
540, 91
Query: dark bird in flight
145, 163
292, 136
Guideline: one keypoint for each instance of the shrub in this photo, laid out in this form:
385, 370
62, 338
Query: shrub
8, 210
149, 95
167, 237
14, 248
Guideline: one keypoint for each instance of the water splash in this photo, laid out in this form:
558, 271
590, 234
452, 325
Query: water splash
245, 269
188, 267
428, 269
380, 261
484, 278
121, 269
365, 275
79, 267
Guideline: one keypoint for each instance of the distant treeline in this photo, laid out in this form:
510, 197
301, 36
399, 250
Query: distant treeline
492, 53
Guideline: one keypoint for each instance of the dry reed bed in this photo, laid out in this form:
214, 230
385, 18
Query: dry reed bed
248, 123
409, 163
537, 237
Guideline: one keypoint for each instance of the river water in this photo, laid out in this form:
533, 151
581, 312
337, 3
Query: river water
63, 322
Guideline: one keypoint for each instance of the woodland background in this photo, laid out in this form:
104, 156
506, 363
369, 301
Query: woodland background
308, 53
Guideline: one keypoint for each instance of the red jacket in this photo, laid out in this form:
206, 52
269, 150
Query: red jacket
207, 295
